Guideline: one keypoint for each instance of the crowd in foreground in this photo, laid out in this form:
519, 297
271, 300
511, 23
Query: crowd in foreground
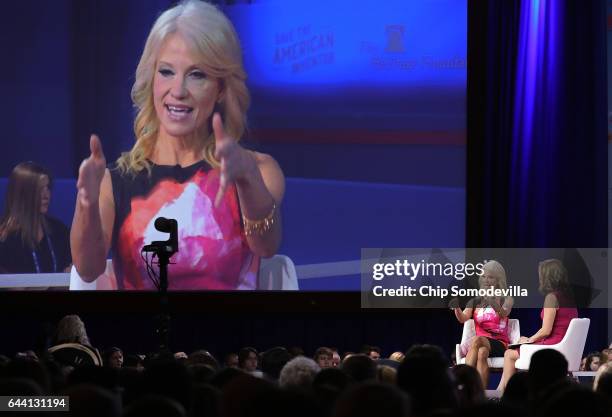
285, 382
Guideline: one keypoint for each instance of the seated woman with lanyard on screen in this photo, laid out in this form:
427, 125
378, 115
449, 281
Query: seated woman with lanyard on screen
31, 241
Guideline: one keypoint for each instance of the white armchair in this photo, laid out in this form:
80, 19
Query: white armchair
277, 273
571, 346
106, 281
469, 331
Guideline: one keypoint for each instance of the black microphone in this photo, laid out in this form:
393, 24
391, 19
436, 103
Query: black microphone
170, 246
165, 225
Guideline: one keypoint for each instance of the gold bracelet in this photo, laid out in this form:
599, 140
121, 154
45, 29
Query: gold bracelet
259, 226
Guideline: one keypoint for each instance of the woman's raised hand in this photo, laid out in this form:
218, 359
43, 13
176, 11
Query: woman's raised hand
91, 173
237, 164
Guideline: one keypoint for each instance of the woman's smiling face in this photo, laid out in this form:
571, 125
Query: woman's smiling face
184, 95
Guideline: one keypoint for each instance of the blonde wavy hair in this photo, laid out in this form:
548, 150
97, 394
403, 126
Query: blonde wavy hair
495, 269
213, 36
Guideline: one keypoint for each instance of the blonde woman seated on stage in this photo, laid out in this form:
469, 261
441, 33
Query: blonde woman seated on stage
490, 316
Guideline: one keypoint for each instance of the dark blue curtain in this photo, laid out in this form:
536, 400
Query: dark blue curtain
537, 127
537, 130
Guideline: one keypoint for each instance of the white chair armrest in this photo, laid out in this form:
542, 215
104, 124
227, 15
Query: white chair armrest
526, 352
571, 346
277, 273
106, 281
469, 331
514, 330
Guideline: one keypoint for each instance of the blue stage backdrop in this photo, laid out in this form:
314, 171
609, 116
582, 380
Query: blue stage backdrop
374, 78
345, 71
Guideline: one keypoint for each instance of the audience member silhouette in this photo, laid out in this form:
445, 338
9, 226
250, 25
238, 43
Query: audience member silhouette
424, 375
272, 362
359, 367
470, 391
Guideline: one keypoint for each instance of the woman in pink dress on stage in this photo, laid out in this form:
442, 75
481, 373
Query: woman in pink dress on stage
556, 314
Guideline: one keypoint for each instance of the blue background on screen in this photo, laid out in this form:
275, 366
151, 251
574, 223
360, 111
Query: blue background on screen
367, 119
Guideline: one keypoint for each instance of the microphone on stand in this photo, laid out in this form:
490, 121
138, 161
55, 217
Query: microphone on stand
164, 249
169, 246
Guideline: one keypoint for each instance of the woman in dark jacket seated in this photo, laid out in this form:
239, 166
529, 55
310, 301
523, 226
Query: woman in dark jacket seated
31, 241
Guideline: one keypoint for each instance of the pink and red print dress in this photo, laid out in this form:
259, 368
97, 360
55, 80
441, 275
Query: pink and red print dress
213, 252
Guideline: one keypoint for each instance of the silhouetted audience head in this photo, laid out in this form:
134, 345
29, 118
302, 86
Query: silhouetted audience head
103, 377
296, 351
225, 376
332, 377
240, 394
132, 383
273, 360
203, 357
371, 351
113, 358
397, 356
155, 406
206, 401
231, 360
71, 329
328, 385
201, 374
359, 367
387, 374
323, 356
570, 399
277, 402
593, 361
294, 403
299, 372
373, 399
134, 361
469, 386
516, 394
20, 386
170, 379
248, 359
336, 359
32, 370
547, 367
607, 355
93, 401
603, 380
425, 376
